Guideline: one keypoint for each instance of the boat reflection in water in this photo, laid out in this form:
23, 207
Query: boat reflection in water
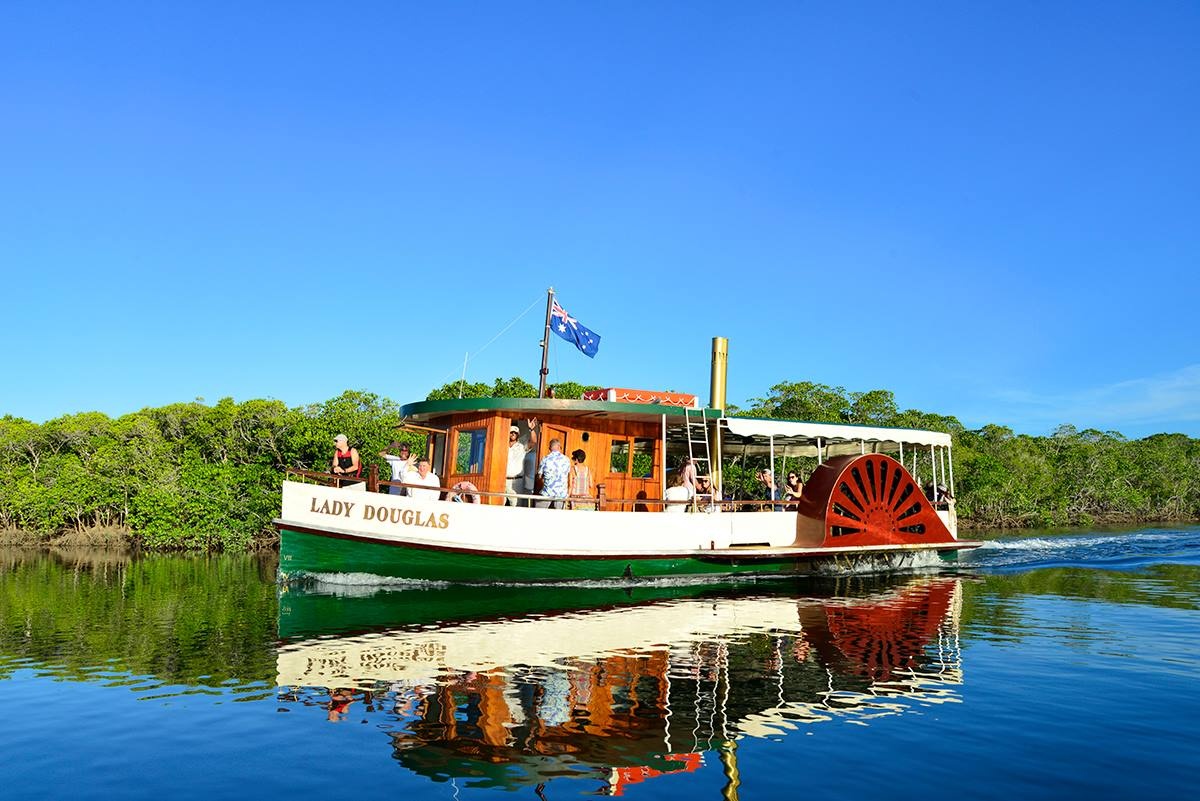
611, 684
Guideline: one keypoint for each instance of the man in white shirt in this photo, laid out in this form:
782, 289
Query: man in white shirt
518, 472
427, 478
514, 477
401, 465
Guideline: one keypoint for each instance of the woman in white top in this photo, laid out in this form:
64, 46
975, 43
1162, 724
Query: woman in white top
676, 492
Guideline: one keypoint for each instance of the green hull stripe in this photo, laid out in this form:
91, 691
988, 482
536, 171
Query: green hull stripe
303, 553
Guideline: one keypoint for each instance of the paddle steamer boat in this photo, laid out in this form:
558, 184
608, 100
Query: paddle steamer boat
861, 501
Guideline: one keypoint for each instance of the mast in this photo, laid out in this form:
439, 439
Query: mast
720, 366
545, 344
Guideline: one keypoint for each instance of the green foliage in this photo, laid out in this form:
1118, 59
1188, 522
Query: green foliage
191, 475
514, 387
1004, 480
572, 390
186, 475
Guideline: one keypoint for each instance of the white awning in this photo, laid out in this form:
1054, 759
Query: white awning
800, 439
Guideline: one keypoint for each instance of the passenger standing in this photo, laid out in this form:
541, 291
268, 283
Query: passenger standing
402, 463
553, 472
579, 482
514, 473
345, 459
529, 470
687, 476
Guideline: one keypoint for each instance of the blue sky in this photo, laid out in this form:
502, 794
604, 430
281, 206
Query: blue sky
989, 209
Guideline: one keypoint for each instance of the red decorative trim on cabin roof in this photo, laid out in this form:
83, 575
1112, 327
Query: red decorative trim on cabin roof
650, 396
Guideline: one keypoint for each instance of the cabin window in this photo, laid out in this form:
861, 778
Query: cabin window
643, 458
435, 449
618, 461
469, 453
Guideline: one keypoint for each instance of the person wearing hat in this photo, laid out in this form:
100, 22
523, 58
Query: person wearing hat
514, 475
345, 458
401, 462
514, 471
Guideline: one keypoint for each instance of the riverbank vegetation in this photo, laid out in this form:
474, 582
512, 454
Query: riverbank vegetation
207, 477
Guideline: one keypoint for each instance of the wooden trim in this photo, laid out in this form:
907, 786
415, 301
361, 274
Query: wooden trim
420, 427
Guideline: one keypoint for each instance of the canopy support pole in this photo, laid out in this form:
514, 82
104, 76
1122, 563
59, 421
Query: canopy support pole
771, 489
662, 482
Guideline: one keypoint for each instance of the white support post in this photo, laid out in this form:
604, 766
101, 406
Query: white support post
772, 487
662, 492
942, 463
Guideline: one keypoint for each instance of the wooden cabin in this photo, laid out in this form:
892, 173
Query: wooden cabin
623, 440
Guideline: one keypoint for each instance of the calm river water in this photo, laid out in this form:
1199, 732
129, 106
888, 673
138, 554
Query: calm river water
1047, 665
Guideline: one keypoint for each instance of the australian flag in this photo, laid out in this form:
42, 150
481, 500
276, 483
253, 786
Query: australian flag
573, 331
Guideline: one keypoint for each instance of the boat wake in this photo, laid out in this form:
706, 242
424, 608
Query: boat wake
1114, 551
866, 564
356, 584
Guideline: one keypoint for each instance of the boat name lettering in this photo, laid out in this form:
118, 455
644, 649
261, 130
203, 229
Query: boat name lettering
333, 507
406, 517
385, 514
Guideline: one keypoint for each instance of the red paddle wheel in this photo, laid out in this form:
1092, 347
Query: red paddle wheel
866, 500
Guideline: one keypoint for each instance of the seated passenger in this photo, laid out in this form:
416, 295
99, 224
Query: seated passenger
428, 480
793, 488
677, 492
767, 479
704, 495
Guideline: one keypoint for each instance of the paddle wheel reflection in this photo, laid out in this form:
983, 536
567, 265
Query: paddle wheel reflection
625, 694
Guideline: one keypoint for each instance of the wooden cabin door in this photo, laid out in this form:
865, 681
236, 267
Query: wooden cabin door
549, 433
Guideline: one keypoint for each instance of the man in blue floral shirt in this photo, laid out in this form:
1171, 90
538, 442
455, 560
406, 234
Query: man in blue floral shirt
553, 471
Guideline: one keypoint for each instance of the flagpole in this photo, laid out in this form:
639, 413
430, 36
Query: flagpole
546, 345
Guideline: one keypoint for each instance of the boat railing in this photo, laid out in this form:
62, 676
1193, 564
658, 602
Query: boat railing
372, 483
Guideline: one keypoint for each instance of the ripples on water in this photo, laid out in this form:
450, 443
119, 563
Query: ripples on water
1044, 665
1117, 550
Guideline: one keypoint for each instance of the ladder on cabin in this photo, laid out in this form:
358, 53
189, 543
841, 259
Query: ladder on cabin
697, 438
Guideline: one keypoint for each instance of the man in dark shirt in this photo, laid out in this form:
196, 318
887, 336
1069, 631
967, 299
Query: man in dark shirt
530, 472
